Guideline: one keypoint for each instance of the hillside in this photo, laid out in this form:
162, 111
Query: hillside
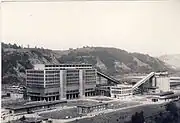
171, 60
15, 60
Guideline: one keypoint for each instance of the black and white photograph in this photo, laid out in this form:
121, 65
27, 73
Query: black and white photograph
90, 61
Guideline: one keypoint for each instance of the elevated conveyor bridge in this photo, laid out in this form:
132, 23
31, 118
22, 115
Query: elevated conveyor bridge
108, 78
142, 81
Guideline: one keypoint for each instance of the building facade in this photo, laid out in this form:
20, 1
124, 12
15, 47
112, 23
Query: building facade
58, 82
120, 90
162, 82
84, 109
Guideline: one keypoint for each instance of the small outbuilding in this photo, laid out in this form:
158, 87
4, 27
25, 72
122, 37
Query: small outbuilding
84, 109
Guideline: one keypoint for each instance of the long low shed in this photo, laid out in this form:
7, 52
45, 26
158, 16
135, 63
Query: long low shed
31, 107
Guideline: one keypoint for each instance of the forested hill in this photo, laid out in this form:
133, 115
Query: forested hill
16, 59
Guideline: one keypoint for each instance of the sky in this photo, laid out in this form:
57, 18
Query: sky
150, 27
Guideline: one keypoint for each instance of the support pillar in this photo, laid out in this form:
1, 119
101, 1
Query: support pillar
62, 89
81, 84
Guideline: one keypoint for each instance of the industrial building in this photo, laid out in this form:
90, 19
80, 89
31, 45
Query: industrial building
26, 108
84, 109
58, 82
153, 83
120, 90
70, 81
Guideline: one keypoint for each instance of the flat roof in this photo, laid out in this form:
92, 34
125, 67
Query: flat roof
32, 105
166, 93
163, 93
91, 105
170, 96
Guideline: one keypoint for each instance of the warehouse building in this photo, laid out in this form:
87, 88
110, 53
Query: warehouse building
84, 109
58, 82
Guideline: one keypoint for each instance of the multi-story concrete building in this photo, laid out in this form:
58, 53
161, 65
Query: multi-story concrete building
58, 82
161, 82
120, 90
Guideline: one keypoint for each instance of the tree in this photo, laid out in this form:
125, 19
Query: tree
141, 117
138, 117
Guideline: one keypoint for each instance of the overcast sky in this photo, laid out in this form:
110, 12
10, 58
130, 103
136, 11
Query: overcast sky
146, 27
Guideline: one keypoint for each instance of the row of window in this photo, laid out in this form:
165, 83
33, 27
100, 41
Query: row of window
74, 83
54, 93
90, 75
72, 72
89, 80
34, 81
89, 89
53, 82
90, 83
72, 91
35, 78
31, 85
71, 77
51, 86
52, 71
57, 80
90, 70
68, 65
35, 75
57, 75
47, 79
